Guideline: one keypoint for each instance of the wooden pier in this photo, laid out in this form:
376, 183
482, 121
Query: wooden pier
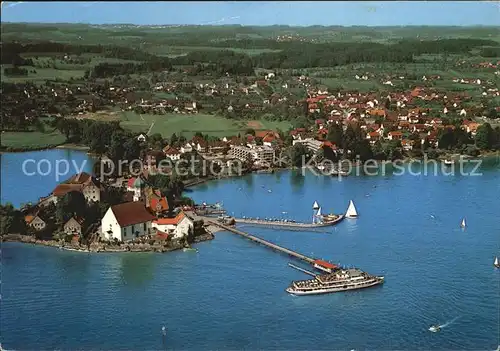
261, 241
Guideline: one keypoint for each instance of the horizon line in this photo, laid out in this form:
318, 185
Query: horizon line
261, 25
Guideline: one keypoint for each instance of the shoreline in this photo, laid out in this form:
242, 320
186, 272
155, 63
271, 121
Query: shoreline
67, 146
105, 248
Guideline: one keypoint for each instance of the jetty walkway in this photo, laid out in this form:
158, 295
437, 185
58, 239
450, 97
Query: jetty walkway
261, 241
288, 224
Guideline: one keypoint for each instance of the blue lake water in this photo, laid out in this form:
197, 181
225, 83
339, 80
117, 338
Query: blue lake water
231, 294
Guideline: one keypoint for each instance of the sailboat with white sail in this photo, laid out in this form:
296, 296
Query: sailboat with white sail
351, 211
463, 224
496, 263
318, 217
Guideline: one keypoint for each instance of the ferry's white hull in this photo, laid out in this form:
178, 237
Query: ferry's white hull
292, 291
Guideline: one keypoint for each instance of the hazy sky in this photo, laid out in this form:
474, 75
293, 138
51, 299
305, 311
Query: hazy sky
259, 13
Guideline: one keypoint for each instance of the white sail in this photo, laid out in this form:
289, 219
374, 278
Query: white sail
463, 224
318, 214
351, 211
496, 261
315, 205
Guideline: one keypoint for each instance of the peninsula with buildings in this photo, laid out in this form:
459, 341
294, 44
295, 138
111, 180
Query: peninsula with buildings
84, 213
228, 111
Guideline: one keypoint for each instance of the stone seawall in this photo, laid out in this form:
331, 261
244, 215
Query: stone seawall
104, 247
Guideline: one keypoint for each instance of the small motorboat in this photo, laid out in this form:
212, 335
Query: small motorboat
187, 249
435, 328
496, 263
448, 162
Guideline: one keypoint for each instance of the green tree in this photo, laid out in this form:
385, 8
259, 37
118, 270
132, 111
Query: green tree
11, 220
174, 139
493, 114
335, 134
71, 204
484, 137
299, 155
132, 149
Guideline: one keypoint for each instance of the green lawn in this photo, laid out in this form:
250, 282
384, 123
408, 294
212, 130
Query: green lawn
188, 125
31, 139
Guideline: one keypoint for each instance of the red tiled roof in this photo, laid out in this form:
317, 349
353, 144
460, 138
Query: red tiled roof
263, 133
158, 204
268, 138
130, 213
377, 112
79, 178
172, 221
171, 151
63, 189
325, 264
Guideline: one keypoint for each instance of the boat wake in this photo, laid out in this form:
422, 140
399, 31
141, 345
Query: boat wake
449, 323
441, 326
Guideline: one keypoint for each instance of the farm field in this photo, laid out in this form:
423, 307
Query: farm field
44, 74
31, 139
188, 125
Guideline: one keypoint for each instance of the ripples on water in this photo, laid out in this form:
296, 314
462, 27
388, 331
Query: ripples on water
231, 294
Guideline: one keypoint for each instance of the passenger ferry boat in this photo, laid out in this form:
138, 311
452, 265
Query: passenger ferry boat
339, 280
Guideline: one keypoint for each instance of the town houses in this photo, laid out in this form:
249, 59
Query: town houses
83, 182
177, 226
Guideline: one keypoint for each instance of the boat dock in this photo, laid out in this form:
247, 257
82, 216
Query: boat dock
291, 224
302, 270
269, 244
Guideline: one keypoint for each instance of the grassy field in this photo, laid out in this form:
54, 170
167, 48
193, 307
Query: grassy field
188, 125
42, 59
173, 51
44, 74
31, 139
